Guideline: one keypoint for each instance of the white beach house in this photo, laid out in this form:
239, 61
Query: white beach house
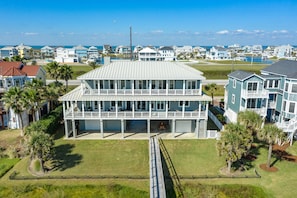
139, 97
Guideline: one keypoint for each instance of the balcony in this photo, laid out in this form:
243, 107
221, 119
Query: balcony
69, 114
141, 92
254, 94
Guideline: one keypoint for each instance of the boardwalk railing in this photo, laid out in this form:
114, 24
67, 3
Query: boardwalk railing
157, 184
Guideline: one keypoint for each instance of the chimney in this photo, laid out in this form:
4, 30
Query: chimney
106, 60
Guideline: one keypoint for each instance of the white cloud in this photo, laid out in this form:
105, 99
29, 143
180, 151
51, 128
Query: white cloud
196, 33
31, 33
280, 31
223, 32
157, 31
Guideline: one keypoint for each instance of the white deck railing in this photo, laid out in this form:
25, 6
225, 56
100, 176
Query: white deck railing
135, 114
254, 94
141, 92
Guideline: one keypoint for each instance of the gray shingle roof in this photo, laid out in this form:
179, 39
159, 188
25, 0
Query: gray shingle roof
166, 48
240, 75
146, 70
286, 68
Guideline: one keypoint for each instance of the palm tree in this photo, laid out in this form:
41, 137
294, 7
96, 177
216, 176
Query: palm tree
53, 69
66, 73
52, 93
211, 88
13, 99
40, 145
251, 120
232, 144
271, 134
35, 96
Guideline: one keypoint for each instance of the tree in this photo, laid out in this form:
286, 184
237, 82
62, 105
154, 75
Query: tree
40, 145
232, 144
271, 134
34, 93
66, 73
211, 88
92, 64
52, 93
13, 99
251, 120
53, 69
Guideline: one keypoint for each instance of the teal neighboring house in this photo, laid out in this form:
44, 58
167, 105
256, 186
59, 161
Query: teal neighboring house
273, 95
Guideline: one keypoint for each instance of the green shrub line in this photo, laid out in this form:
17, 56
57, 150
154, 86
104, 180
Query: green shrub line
14, 176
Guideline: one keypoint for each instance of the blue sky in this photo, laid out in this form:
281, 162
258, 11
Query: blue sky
154, 22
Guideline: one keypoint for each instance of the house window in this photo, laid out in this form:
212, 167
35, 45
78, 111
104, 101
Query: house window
251, 103
187, 103
171, 84
265, 84
233, 99
292, 107
270, 83
294, 88
276, 83
191, 84
160, 105
234, 83
287, 87
284, 105
252, 86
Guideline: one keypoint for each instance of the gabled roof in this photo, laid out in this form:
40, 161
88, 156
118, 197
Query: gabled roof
242, 75
147, 50
14, 72
31, 70
143, 70
166, 48
286, 68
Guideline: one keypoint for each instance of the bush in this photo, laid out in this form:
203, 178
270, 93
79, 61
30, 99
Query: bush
50, 123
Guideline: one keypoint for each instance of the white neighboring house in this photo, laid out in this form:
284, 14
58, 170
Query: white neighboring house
283, 51
123, 50
66, 55
184, 49
257, 49
200, 52
8, 52
93, 52
166, 54
218, 53
47, 51
148, 54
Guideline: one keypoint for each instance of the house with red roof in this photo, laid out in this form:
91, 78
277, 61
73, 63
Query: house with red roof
16, 74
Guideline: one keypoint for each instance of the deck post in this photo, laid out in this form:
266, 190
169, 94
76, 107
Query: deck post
149, 128
197, 128
73, 129
173, 128
66, 128
101, 128
122, 128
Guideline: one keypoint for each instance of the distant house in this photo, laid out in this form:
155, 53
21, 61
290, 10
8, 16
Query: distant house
273, 94
107, 49
24, 51
200, 52
283, 51
66, 55
16, 74
166, 54
81, 52
148, 54
8, 52
124, 50
183, 49
47, 52
93, 52
218, 53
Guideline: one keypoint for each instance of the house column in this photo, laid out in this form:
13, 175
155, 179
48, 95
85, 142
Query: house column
133, 108
116, 87
98, 87
149, 128
197, 128
132, 87
166, 108
184, 87
167, 86
64, 111
122, 128
83, 108
183, 110
116, 108
101, 128
99, 108
150, 109
173, 128
199, 110
73, 128
72, 109
150, 87
66, 128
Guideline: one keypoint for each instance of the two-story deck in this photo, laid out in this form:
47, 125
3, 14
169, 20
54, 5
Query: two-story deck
137, 97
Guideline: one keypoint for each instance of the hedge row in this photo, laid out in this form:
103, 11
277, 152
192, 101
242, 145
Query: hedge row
50, 122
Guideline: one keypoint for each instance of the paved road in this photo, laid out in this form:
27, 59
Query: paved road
204, 82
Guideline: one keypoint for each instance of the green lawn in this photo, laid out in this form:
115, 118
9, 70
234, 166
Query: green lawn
77, 70
220, 91
130, 157
221, 71
6, 164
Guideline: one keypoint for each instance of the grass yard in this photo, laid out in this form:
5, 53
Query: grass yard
6, 164
220, 91
221, 71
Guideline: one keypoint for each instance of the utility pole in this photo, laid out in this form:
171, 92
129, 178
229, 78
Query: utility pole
131, 52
